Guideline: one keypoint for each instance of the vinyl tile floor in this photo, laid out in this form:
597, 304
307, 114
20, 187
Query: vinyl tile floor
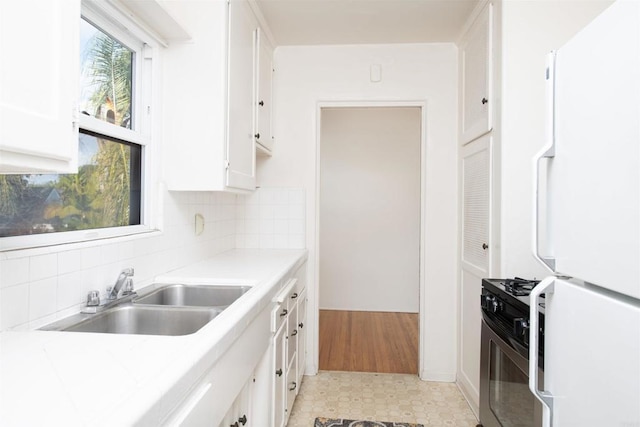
380, 397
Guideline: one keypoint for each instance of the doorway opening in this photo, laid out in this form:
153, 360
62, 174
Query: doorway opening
369, 238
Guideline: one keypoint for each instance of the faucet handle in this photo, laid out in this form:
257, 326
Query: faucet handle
128, 271
127, 289
93, 299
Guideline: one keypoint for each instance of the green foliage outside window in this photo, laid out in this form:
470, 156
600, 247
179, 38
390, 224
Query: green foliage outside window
105, 192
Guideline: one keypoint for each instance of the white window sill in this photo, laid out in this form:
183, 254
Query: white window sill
25, 246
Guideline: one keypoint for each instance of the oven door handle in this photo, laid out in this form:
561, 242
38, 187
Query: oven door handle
546, 398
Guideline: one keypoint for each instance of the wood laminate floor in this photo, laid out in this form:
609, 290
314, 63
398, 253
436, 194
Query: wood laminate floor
365, 341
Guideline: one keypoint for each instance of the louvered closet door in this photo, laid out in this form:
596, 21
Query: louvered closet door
475, 257
476, 172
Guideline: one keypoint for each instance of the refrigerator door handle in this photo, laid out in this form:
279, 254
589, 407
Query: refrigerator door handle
548, 152
544, 287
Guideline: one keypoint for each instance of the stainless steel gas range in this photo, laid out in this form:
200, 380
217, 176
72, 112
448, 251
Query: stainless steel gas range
505, 399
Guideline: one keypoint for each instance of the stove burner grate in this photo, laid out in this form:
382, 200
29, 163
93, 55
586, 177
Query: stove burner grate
519, 287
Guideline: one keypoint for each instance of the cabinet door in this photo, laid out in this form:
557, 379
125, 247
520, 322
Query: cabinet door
476, 68
475, 257
264, 134
292, 334
241, 154
476, 197
302, 335
279, 349
39, 81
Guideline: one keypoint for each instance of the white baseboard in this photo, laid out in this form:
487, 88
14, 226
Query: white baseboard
443, 377
470, 393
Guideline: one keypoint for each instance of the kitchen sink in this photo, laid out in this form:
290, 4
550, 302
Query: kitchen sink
193, 295
143, 320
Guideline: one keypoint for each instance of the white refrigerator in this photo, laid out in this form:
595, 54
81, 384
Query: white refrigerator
588, 228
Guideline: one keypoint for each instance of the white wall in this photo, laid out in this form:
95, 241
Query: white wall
305, 76
370, 209
39, 286
530, 30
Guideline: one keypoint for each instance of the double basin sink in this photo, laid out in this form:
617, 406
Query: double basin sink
168, 310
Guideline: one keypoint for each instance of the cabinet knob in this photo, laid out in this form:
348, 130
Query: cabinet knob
301, 325
294, 296
293, 386
257, 135
284, 313
243, 419
485, 246
484, 101
261, 103
279, 372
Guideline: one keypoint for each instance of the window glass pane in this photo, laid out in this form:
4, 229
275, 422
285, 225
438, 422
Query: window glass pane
104, 193
106, 82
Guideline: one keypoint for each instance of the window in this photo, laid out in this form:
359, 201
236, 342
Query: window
106, 193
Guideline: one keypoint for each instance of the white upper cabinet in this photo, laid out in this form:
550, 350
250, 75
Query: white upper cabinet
210, 90
242, 57
476, 79
264, 104
39, 72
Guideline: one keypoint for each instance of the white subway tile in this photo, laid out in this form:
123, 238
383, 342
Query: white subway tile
266, 226
69, 290
268, 196
126, 250
281, 196
252, 212
296, 226
252, 226
280, 226
110, 253
296, 212
281, 212
267, 211
266, 241
252, 241
296, 242
280, 241
69, 261
296, 196
91, 257
14, 271
42, 298
43, 266
15, 306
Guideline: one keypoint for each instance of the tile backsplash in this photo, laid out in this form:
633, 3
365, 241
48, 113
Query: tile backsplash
39, 286
271, 218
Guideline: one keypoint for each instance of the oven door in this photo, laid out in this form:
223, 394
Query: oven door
505, 399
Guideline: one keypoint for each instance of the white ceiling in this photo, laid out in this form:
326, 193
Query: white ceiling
313, 22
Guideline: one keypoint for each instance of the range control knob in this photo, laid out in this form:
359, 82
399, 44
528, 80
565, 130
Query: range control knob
491, 303
521, 328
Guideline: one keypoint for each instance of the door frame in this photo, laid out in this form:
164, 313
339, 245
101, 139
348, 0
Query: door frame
314, 300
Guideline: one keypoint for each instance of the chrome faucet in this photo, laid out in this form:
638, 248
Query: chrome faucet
124, 279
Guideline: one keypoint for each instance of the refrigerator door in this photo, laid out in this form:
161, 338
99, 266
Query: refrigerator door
594, 178
592, 356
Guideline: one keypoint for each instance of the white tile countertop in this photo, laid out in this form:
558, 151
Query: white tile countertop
80, 379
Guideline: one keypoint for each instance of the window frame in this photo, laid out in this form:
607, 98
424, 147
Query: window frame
117, 24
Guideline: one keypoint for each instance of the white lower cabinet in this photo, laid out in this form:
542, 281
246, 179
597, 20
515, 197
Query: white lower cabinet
240, 414
288, 343
256, 381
